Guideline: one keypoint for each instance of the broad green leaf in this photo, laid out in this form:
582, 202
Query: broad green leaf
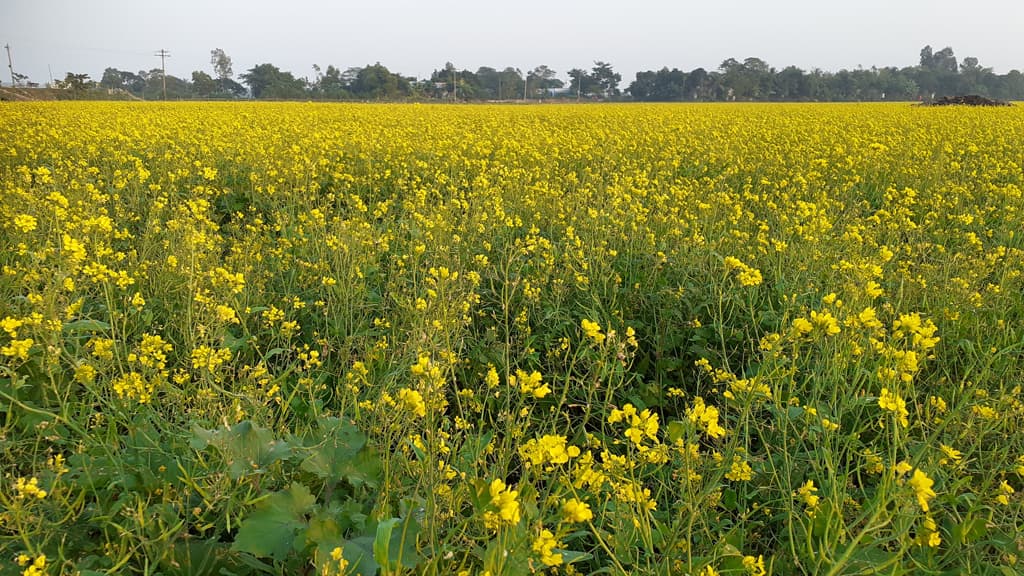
234, 343
675, 430
255, 564
395, 543
359, 553
871, 558
246, 448
342, 454
324, 528
270, 530
514, 560
382, 542
969, 531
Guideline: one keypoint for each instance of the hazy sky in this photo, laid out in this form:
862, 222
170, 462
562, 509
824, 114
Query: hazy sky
415, 37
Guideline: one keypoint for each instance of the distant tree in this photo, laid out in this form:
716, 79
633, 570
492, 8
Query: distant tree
698, 84
845, 86
581, 83
331, 85
896, 84
133, 82
469, 85
1011, 86
818, 88
926, 57
944, 60
511, 83
792, 84
546, 77
607, 79
937, 73
736, 83
763, 78
445, 82
975, 79
203, 85
221, 63
112, 79
488, 82
348, 77
751, 79
644, 87
376, 82
230, 88
77, 83
153, 82
268, 81
662, 86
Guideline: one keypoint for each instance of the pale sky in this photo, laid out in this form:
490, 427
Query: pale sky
415, 37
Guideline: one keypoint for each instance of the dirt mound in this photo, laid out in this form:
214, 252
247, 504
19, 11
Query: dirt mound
969, 100
19, 94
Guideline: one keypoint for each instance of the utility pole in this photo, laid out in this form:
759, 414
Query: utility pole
163, 71
10, 63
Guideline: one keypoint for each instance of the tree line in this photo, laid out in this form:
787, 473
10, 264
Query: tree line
938, 73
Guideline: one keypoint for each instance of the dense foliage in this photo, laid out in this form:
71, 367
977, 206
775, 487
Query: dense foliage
752, 79
643, 339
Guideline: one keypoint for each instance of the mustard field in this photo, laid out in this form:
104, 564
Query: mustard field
292, 338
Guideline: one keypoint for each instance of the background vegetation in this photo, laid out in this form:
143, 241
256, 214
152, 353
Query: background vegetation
938, 73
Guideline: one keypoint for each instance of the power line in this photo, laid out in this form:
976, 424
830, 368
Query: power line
163, 71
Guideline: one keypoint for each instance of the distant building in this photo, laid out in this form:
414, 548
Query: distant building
563, 91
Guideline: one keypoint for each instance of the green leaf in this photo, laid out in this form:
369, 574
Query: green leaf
364, 469
274, 352
396, 548
85, 326
571, 556
969, 531
342, 455
246, 448
324, 529
515, 559
473, 449
359, 553
675, 430
234, 343
256, 564
382, 542
270, 530
729, 499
